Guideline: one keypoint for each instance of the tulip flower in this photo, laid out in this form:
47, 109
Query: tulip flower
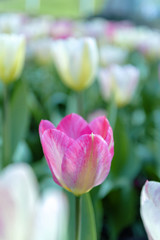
119, 81
150, 209
12, 56
76, 61
110, 54
25, 216
78, 154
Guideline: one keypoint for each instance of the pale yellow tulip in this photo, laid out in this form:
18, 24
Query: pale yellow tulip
12, 55
76, 61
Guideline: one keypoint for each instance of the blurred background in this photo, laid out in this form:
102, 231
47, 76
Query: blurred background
126, 90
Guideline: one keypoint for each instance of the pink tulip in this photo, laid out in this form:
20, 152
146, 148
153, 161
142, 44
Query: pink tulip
78, 154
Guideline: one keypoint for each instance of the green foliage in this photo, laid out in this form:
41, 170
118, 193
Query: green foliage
19, 114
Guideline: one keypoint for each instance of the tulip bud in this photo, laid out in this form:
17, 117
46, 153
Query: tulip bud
150, 209
76, 61
12, 55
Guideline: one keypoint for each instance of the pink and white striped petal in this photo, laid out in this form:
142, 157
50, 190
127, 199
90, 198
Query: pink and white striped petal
86, 163
55, 144
74, 126
45, 125
101, 126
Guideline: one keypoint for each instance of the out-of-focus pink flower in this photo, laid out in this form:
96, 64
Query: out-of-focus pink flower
150, 209
119, 81
112, 28
78, 154
61, 29
25, 216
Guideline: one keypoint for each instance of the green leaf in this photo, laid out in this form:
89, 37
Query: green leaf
19, 115
35, 107
121, 149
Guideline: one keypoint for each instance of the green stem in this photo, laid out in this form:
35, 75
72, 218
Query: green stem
80, 103
78, 218
112, 113
6, 130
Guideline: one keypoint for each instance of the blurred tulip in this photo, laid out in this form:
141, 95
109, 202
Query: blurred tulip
62, 29
12, 57
23, 216
76, 61
79, 154
94, 28
40, 50
36, 28
11, 23
51, 220
127, 37
21, 187
150, 209
149, 45
121, 81
110, 54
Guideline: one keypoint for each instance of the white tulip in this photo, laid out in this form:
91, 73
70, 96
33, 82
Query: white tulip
119, 81
150, 209
76, 61
25, 216
19, 182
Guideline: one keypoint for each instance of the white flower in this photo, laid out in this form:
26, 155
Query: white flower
25, 216
76, 61
119, 81
150, 209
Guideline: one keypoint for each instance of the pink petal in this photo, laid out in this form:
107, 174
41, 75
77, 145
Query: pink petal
74, 126
101, 126
86, 163
54, 144
45, 125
